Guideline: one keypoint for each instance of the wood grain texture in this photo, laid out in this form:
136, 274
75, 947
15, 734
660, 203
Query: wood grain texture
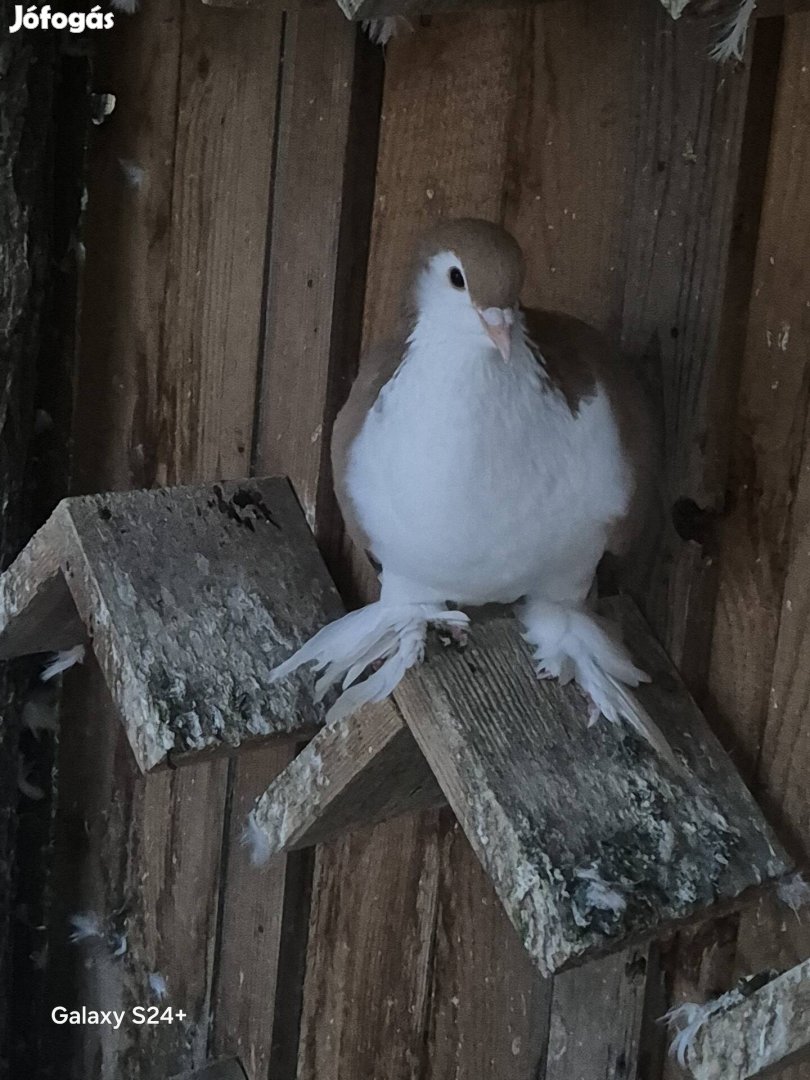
600, 1036
219, 203
695, 193
320, 209
756, 667
770, 433
489, 1008
251, 926
170, 344
619, 252
313, 283
365, 1009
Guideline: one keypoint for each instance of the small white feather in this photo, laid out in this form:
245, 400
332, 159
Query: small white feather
86, 926
730, 44
158, 985
688, 1019
61, 661
255, 839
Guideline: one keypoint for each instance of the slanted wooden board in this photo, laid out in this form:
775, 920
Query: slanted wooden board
360, 771
189, 597
752, 1032
591, 839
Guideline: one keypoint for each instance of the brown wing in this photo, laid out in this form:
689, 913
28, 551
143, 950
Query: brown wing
376, 368
577, 357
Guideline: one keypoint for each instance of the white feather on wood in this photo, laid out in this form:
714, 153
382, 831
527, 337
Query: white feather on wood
61, 661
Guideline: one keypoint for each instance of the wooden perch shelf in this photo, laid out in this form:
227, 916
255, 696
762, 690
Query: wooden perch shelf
755, 1029
188, 597
591, 840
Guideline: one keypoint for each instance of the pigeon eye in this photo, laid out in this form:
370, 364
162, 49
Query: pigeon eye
456, 278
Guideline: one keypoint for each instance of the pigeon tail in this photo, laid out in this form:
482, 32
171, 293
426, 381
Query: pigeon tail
572, 644
390, 637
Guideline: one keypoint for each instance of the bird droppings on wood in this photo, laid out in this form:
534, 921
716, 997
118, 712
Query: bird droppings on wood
794, 892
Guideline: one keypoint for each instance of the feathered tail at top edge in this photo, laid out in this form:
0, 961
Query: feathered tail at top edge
392, 634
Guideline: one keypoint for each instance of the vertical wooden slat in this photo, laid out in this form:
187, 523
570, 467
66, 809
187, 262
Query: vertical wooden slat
769, 433
311, 314
171, 342
489, 1012
759, 669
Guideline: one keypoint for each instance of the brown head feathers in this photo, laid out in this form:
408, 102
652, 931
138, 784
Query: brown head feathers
490, 257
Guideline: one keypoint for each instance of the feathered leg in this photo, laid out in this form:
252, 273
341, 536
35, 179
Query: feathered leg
388, 636
571, 642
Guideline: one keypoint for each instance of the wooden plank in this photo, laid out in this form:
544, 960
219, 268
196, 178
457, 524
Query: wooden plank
37, 611
321, 205
757, 543
752, 1031
609, 252
763, 541
366, 1000
579, 862
600, 1036
327, 109
768, 437
187, 643
463, 1037
356, 772
251, 925
170, 345
771, 935
686, 284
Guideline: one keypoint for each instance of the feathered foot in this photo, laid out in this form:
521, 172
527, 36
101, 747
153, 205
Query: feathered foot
574, 644
388, 637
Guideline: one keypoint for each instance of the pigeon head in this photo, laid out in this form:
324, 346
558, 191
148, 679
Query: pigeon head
468, 279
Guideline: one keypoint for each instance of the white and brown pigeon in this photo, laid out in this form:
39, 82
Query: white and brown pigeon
486, 453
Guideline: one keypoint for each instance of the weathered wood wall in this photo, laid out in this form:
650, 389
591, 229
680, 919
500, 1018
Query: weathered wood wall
226, 293
43, 104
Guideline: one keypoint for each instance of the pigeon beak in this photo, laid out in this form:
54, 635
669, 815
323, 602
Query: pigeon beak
498, 325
